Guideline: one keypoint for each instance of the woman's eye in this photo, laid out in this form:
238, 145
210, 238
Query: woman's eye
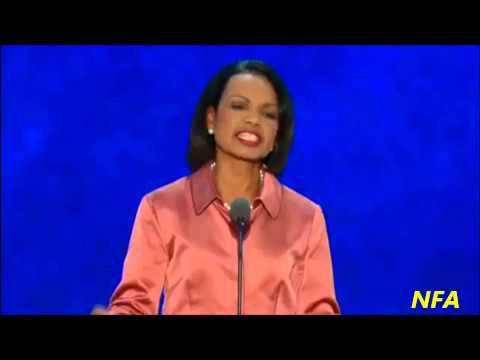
271, 115
238, 106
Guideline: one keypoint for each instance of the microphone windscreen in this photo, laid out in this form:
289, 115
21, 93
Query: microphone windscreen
240, 211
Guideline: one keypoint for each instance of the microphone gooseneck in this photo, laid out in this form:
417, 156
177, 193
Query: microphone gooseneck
240, 217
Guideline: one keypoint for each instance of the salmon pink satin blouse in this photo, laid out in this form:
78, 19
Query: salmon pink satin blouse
184, 246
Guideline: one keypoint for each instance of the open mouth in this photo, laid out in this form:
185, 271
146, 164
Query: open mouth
248, 138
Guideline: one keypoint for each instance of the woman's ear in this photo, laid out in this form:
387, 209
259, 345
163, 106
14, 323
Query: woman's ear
210, 119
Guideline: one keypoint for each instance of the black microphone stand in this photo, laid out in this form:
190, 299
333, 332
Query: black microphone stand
241, 230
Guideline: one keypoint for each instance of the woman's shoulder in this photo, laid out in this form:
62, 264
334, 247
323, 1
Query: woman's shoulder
299, 203
170, 192
298, 206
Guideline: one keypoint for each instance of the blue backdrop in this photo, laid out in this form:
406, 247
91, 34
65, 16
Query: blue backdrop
386, 142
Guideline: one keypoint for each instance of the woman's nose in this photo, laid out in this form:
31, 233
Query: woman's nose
253, 119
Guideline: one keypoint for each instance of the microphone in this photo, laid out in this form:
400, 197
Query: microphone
240, 217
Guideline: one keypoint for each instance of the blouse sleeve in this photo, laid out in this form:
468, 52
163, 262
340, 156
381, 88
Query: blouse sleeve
317, 293
143, 277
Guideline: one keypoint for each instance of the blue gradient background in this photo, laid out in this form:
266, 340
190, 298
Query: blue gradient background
386, 142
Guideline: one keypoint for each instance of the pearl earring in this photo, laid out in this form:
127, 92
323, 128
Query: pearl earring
210, 131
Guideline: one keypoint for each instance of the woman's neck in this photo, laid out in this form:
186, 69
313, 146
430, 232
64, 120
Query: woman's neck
236, 178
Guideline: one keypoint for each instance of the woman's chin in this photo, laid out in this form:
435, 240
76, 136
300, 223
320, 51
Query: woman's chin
244, 154
248, 156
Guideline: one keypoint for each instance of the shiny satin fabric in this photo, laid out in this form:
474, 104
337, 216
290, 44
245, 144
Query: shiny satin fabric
183, 244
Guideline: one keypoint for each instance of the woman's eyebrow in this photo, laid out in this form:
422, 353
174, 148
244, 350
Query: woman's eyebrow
248, 100
240, 96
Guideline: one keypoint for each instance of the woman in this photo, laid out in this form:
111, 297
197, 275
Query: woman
183, 241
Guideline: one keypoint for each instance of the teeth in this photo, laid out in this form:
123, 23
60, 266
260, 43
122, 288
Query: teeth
248, 136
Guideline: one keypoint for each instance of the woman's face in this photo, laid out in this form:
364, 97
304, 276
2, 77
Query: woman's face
246, 121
